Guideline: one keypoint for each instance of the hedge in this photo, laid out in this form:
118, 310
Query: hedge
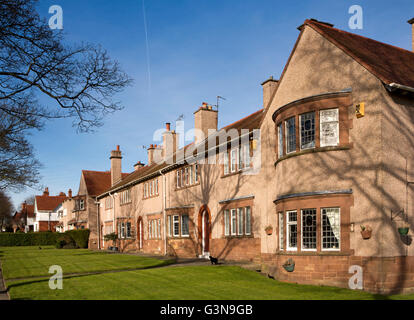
81, 237
73, 238
9, 239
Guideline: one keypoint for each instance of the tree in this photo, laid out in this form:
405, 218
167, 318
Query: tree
80, 81
6, 211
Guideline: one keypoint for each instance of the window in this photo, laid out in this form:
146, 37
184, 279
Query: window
226, 162
331, 228
184, 225
244, 159
308, 229
233, 222
280, 140
108, 202
169, 226
240, 221
176, 226
81, 204
226, 223
125, 196
292, 231
307, 130
149, 229
290, 131
151, 188
281, 231
329, 120
128, 229
233, 160
248, 221
122, 230
187, 176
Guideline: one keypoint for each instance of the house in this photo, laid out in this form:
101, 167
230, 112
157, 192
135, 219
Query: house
290, 186
23, 220
80, 211
46, 209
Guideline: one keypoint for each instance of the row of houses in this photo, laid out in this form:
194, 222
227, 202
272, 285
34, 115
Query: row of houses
330, 153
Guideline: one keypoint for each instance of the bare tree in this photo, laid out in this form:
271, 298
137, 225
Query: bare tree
6, 211
81, 81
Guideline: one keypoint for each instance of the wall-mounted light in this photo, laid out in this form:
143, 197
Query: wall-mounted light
360, 110
352, 227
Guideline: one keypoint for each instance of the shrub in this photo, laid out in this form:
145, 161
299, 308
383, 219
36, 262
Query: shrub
80, 237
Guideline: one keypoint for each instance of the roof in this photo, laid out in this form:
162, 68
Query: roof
250, 122
48, 203
98, 181
389, 63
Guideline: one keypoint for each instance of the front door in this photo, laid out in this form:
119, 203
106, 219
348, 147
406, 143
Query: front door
205, 231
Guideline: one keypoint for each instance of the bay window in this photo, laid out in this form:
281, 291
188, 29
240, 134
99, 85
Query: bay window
292, 230
290, 129
307, 130
331, 228
308, 229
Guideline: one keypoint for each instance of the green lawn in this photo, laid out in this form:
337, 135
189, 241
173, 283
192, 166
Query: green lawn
182, 283
23, 262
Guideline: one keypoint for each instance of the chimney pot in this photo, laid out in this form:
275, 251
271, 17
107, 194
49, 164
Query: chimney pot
168, 126
117, 148
70, 193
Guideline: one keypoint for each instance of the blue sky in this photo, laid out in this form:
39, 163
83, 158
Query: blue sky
197, 49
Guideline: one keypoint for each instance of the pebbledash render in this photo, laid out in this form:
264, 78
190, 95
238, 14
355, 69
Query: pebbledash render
334, 157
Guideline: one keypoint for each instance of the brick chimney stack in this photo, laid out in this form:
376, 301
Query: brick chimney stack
411, 21
70, 193
46, 192
169, 142
268, 88
138, 165
116, 168
205, 118
151, 154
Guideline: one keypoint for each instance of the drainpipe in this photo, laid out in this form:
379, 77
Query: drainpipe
98, 225
164, 204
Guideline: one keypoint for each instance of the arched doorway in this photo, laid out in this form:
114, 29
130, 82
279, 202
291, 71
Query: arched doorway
140, 233
204, 230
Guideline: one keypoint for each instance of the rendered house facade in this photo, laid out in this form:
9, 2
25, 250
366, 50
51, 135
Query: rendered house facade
335, 152
46, 211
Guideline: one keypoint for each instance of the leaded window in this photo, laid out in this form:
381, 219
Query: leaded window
290, 135
307, 130
309, 229
292, 230
331, 228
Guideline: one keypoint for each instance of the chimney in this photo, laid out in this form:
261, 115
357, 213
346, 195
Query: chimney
70, 193
62, 194
46, 192
24, 206
205, 118
151, 154
116, 159
411, 21
169, 142
138, 165
268, 88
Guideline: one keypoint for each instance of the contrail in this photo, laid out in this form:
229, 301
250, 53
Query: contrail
147, 47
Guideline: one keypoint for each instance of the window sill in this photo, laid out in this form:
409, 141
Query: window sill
236, 172
178, 238
124, 204
238, 237
186, 187
314, 253
151, 197
314, 150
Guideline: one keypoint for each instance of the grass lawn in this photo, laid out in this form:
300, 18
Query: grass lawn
23, 262
181, 283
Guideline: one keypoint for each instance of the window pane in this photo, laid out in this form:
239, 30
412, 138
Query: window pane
176, 227
290, 135
331, 228
226, 223
309, 229
233, 160
248, 221
281, 231
226, 162
307, 130
233, 221
292, 231
159, 228
184, 225
169, 225
329, 120
240, 221
128, 231
196, 173
280, 140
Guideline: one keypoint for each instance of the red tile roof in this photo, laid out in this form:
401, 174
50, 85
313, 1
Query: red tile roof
98, 181
48, 203
388, 63
250, 122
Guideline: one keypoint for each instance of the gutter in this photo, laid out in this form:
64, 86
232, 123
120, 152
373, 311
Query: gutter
394, 86
164, 204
